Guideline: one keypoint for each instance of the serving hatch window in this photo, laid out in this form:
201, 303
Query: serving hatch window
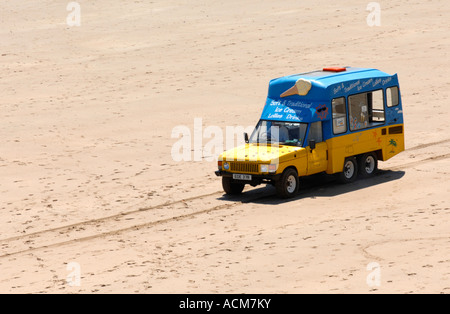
284, 133
366, 110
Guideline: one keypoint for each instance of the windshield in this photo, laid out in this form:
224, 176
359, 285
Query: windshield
284, 133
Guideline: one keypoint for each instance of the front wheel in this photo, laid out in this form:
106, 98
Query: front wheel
350, 171
230, 187
288, 184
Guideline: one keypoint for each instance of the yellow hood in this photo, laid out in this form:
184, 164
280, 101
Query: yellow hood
261, 153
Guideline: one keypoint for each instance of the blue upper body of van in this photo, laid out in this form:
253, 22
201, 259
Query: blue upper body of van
327, 85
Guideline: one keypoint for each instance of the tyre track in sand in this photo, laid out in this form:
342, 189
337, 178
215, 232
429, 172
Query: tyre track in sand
128, 221
151, 216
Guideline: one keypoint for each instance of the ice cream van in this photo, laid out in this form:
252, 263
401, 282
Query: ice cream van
338, 120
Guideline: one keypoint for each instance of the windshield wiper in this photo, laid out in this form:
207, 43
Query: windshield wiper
291, 143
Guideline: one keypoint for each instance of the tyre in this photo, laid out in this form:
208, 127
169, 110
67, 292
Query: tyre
350, 170
288, 185
368, 165
230, 187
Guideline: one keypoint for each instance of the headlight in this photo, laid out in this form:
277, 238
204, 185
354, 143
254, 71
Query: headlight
264, 168
273, 168
226, 166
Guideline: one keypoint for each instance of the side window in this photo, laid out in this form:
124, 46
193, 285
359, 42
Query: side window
366, 110
339, 115
392, 96
315, 132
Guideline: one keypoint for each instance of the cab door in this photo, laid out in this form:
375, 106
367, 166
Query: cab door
317, 157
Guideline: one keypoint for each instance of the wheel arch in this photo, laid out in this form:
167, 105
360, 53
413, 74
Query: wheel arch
290, 167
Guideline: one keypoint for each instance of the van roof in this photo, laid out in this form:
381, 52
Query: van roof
322, 79
327, 78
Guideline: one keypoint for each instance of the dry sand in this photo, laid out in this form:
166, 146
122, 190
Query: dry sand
87, 174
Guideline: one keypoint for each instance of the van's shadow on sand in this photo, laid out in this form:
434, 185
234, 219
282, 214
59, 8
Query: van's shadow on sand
321, 185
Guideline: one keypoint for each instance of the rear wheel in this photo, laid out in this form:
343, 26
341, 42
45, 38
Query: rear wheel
350, 171
288, 184
230, 187
368, 165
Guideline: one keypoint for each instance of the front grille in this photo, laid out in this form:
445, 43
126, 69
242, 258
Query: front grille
244, 167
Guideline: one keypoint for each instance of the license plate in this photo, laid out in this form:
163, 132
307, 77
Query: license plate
245, 177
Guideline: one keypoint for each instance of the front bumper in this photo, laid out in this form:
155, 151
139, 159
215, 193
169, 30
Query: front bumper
255, 177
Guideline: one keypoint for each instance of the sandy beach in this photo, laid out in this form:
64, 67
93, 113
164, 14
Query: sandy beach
89, 187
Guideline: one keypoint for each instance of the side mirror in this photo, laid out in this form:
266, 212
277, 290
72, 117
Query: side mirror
246, 137
312, 144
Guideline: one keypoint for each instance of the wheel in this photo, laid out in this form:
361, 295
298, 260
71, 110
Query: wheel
288, 184
350, 171
368, 165
230, 187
